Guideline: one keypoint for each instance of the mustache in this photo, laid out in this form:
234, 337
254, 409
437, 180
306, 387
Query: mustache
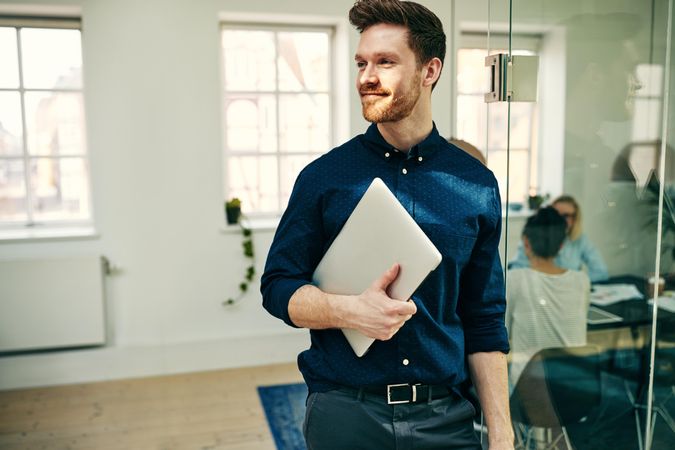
374, 92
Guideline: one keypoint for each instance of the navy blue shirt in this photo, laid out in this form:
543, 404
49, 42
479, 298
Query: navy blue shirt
460, 305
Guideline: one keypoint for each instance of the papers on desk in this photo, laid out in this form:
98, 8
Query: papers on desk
607, 294
665, 303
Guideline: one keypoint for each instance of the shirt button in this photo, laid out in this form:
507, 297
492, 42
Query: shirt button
405, 171
386, 155
419, 159
406, 362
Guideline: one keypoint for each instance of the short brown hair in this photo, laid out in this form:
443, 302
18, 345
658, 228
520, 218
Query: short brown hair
425, 30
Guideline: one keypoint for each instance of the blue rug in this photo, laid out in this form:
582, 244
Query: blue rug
285, 410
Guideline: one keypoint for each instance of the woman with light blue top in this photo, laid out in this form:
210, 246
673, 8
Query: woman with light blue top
577, 251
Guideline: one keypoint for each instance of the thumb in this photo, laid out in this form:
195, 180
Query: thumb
387, 278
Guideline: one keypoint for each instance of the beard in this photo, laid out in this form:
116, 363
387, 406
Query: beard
389, 106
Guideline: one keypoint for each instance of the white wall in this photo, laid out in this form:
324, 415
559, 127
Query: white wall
152, 98
152, 92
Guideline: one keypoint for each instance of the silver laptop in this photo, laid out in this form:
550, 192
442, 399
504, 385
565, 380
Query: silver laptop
377, 234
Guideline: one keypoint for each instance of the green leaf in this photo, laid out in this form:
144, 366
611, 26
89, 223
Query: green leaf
248, 248
243, 287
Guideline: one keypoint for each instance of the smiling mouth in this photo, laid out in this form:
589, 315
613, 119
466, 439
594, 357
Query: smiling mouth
373, 94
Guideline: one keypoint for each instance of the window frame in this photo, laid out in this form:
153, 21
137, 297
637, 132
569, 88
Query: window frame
336, 29
527, 44
32, 227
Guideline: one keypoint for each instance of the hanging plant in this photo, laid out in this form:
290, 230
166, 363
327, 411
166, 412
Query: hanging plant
249, 254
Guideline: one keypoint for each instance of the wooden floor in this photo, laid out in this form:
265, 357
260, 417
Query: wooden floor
198, 411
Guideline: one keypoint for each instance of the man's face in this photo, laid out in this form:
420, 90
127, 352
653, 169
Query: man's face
389, 79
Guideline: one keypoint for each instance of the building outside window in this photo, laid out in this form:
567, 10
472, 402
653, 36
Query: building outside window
277, 109
44, 168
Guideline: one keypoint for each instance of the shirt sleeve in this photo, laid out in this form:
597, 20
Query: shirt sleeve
482, 303
591, 257
296, 249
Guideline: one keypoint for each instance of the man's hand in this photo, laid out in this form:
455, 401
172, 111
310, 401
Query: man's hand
377, 315
372, 312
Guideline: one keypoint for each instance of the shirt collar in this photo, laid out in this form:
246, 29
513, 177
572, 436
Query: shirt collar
383, 148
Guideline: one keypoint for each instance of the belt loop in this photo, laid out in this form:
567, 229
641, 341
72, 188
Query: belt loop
359, 395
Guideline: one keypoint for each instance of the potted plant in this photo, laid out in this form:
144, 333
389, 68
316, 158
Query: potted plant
233, 210
535, 201
249, 253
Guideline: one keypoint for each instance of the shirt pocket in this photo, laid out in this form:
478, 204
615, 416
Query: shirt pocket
455, 248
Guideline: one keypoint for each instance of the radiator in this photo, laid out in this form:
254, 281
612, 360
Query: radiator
51, 303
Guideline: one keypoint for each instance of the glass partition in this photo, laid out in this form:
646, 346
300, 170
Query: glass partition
595, 147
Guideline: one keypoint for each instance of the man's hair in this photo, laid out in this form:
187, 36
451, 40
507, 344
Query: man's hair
425, 30
546, 231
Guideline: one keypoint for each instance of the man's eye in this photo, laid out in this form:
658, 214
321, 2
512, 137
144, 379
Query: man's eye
386, 62
360, 64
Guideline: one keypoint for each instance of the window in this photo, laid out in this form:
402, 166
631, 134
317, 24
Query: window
44, 169
278, 109
485, 125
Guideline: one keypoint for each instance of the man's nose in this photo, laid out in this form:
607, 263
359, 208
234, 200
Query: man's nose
368, 75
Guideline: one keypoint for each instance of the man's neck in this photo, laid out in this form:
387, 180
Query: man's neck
407, 133
545, 265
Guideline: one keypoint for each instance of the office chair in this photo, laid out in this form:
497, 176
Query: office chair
558, 387
664, 388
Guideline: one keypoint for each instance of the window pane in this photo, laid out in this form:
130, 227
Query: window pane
304, 123
646, 119
650, 79
472, 75
9, 59
521, 124
498, 126
518, 176
60, 188
254, 181
51, 58
303, 61
250, 123
471, 119
11, 131
12, 191
249, 59
290, 168
55, 123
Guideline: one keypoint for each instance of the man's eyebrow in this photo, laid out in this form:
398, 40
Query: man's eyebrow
378, 55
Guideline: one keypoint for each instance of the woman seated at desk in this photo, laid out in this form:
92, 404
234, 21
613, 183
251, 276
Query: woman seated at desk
546, 305
577, 249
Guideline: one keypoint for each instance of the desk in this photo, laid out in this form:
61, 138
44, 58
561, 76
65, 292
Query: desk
634, 313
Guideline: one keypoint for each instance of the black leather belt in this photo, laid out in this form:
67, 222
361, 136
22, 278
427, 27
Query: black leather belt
396, 394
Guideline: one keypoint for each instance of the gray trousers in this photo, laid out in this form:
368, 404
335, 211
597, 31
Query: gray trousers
345, 419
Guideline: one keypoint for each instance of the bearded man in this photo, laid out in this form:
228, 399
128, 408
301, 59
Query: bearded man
451, 331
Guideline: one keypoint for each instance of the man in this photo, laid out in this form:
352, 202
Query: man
453, 327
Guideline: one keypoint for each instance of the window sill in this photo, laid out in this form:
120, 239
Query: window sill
255, 224
47, 234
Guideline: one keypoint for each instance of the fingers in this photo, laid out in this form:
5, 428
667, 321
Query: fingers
387, 278
405, 308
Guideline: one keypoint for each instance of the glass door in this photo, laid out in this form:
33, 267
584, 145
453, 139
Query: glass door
592, 361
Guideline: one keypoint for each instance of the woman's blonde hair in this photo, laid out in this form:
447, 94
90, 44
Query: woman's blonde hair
575, 231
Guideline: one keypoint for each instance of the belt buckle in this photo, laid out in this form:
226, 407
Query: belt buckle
400, 402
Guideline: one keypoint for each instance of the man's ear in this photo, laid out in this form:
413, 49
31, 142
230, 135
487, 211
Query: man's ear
526, 245
432, 71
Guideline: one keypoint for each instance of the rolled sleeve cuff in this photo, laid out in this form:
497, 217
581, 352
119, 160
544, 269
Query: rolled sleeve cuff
280, 295
487, 339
